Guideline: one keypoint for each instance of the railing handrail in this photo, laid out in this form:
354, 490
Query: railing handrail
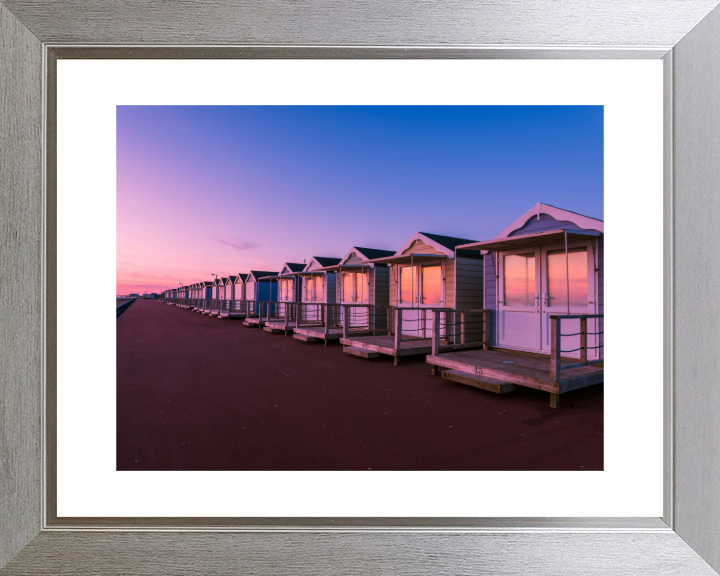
575, 316
555, 338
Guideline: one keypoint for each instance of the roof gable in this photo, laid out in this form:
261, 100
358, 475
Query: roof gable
255, 275
241, 278
320, 262
444, 245
290, 267
532, 221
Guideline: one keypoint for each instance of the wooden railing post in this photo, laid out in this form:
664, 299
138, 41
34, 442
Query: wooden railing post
462, 327
486, 330
424, 321
583, 340
326, 324
554, 347
398, 327
346, 322
436, 335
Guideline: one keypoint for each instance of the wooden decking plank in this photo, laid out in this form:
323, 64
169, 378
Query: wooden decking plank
304, 338
360, 352
482, 382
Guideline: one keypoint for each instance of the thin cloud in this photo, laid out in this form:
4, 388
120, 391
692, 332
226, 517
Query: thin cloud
239, 245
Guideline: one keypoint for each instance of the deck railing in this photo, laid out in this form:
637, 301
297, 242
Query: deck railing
460, 326
555, 338
362, 317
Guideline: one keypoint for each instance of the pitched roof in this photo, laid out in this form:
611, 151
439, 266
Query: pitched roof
259, 274
559, 214
232, 279
448, 241
323, 261
371, 253
295, 267
242, 277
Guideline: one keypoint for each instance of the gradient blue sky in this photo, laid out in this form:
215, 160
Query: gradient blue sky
226, 189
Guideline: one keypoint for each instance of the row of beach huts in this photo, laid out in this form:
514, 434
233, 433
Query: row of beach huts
522, 309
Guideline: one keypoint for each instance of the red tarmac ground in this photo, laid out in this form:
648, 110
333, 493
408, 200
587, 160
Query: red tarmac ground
199, 393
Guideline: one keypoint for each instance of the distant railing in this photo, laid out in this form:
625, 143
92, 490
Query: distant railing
555, 337
460, 328
123, 307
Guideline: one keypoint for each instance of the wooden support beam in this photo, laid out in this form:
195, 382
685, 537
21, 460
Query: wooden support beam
554, 400
398, 328
346, 321
436, 335
554, 347
583, 340
486, 330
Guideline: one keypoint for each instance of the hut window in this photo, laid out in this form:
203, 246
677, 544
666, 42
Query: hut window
519, 279
361, 291
407, 283
431, 284
314, 289
347, 287
577, 262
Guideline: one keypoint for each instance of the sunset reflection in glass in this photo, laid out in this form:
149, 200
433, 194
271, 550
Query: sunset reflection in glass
519, 279
577, 262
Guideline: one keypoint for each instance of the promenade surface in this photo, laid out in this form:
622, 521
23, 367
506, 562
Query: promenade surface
199, 393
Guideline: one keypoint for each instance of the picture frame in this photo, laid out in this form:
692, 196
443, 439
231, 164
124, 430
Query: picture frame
685, 34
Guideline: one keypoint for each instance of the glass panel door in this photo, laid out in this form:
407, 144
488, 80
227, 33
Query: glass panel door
519, 301
572, 277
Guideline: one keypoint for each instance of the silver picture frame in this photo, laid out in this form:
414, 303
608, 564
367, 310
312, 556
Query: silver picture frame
685, 34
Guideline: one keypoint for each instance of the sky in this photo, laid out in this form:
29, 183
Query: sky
205, 190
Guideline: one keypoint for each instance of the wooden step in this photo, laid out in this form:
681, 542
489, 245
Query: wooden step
304, 338
362, 353
483, 382
272, 330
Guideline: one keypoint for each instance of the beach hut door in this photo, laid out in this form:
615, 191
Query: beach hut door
355, 288
519, 299
580, 263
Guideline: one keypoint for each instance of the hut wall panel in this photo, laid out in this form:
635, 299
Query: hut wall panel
380, 287
490, 293
380, 294
449, 283
392, 285
601, 292
469, 294
329, 288
250, 287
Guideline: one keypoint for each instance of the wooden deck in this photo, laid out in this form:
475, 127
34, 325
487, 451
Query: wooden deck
254, 321
279, 324
518, 368
386, 345
333, 334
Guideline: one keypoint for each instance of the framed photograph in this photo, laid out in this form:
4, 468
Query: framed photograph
359, 261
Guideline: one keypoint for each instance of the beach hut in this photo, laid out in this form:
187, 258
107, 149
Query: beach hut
228, 296
543, 278
317, 290
427, 274
288, 292
182, 296
238, 308
363, 289
257, 293
205, 300
218, 294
